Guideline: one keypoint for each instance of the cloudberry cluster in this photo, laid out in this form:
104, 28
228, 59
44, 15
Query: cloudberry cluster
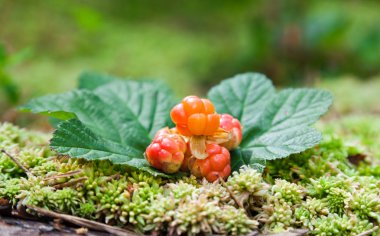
199, 143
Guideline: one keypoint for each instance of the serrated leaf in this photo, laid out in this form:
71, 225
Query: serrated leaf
244, 96
80, 141
73, 138
56, 105
293, 108
284, 126
274, 126
90, 81
149, 101
115, 121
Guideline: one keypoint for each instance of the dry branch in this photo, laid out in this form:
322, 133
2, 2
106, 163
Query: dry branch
16, 161
83, 222
231, 193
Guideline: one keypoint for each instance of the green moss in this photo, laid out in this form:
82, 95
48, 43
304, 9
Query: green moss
365, 205
9, 189
288, 192
337, 200
318, 189
334, 224
310, 210
87, 210
329, 157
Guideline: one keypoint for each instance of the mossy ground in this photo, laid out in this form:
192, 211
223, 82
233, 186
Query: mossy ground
320, 189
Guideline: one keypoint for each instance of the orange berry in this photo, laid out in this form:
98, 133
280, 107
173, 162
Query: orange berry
212, 124
197, 123
193, 104
178, 114
195, 116
182, 129
209, 107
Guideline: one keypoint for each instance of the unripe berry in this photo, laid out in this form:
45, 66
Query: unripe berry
233, 126
195, 116
166, 152
217, 163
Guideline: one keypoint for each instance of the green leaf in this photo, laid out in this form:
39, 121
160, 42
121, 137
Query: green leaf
54, 122
91, 80
244, 97
150, 102
73, 138
274, 126
241, 157
284, 126
57, 105
115, 121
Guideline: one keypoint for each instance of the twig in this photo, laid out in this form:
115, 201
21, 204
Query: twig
68, 174
17, 162
368, 232
263, 220
83, 222
112, 177
333, 168
231, 193
70, 183
109, 178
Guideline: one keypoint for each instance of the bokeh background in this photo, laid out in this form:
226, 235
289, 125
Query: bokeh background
45, 45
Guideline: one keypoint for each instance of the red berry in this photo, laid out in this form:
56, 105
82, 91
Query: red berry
216, 165
233, 126
188, 155
166, 152
195, 116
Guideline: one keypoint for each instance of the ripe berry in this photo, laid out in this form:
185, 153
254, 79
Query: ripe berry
195, 116
166, 152
231, 125
216, 165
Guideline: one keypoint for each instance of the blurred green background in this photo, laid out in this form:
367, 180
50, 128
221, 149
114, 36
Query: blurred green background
45, 45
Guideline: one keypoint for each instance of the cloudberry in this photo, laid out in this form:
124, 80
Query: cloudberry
217, 163
195, 116
233, 126
166, 152
185, 163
